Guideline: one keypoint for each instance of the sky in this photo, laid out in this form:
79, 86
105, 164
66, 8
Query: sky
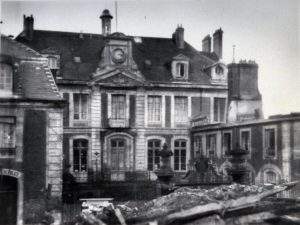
267, 31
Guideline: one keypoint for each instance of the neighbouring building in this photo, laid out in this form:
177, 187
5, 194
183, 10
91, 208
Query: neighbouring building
31, 113
128, 95
273, 145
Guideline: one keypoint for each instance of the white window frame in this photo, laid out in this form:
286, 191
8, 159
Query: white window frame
187, 158
184, 119
160, 111
52, 62
125, 116
8, 86
263, 142
13, 142
80, 107
219, 110
250, 139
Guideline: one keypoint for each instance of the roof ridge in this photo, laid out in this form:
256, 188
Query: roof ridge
25, 47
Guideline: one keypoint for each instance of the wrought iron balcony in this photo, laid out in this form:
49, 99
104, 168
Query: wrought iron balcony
116, 123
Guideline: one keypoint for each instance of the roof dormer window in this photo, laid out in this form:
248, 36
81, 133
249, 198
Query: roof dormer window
52, 62
219, 70
180, 67
6, 78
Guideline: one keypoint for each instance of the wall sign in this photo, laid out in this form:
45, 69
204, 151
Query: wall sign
11, 173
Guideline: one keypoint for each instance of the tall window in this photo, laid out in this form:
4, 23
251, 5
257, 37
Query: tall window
269, 142
226, 142
118, 107
80, 106
80, 151
154, 146
219, 109
52, 62
180, 151
181, 109
7, 136
198, 146
180, 69
154, 108
245, 140
6, 77
118, 147
211, 144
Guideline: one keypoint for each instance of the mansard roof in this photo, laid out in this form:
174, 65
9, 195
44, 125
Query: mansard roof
152, 55
32, 77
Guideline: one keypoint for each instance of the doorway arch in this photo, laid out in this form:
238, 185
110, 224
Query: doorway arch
11, 191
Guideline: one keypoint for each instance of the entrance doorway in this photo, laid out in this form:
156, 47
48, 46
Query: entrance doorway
8, 196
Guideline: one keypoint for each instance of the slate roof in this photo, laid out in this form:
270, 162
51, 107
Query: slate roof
33, 79
158, 52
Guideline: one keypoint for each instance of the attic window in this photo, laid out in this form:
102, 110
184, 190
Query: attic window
77, 59
6, 77
219, 70
52, 62
180, 70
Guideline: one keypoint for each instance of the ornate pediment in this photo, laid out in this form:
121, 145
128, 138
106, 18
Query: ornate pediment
118, 77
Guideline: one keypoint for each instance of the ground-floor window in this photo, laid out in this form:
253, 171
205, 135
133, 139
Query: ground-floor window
118, 147
180, 152
154, 146
80, 155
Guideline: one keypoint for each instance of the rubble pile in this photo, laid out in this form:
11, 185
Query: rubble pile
186, 204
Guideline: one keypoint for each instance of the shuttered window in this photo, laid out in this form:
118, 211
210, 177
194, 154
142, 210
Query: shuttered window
270, 142
245, 140
7, 136
211, 142
226, 142
181, 109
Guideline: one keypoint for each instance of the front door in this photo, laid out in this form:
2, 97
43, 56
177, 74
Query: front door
118, 158
8, 200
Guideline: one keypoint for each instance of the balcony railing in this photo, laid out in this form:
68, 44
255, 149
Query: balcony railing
118, 122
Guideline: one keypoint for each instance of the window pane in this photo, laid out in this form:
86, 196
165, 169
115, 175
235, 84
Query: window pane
76, 106
80, 157
181, 109
6, 74
118, 106
153, 151
154, 108
180, 155
84, 106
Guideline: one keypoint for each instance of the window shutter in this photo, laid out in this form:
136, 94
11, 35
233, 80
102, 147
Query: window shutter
168, 111
205, 107
132, 110
196, 106
66, 114
104, 109
222, 109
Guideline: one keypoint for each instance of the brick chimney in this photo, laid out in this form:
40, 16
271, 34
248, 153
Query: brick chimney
106, 22
178, 37
218, 42
206, 44
28, 27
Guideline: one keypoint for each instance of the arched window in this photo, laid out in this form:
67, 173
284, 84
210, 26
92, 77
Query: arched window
180, 152
6, 77
154, 146
118, 148
80, 155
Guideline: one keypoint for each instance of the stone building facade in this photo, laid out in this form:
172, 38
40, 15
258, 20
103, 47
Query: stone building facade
128, 95
31, 113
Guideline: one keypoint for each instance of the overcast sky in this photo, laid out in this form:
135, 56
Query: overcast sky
266, 31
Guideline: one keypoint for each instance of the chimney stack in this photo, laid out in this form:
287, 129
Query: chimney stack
206, 44
106, 22
28, 27
178, 37
218, 42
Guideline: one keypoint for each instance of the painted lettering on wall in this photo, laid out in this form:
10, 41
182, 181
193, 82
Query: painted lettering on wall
10, 172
